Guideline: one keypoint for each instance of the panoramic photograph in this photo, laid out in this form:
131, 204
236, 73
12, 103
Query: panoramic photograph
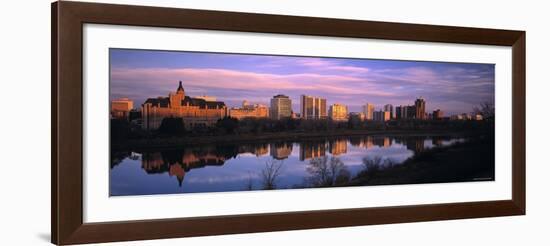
193, 122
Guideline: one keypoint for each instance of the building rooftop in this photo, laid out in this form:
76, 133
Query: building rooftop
280, 96
164, 102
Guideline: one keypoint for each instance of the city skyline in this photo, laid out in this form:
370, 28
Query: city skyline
454, 88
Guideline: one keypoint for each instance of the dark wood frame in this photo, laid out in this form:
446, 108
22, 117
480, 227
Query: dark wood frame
67, 137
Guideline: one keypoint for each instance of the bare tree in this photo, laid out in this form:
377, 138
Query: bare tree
343, 177
485, 109
389, 163
337, 168
319, 170
270, 173
327, 172
372, 164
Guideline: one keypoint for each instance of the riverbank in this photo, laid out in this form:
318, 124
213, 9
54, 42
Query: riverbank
469, 161
176, 142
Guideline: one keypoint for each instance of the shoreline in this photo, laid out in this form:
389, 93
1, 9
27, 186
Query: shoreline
175, 142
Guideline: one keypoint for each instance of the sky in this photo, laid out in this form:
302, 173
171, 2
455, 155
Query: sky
452, 87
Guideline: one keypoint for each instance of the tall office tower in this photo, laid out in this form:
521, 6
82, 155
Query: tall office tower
399, 114
420, 106
381, 115
389, 108
411, 111
313, 107
437, 114
338, 112
281, 107
368, 110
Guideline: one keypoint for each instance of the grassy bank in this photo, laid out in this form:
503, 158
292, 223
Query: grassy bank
469, 161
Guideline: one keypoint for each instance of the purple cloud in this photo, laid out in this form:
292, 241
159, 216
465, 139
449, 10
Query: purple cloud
454, 88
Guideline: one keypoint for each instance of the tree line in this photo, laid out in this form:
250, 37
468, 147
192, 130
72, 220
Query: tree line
175, 127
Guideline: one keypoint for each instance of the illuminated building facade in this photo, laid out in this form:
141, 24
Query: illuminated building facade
338, 112
313, 107
420, 107
121, 107
437, 114
249, 111
195, 112
381, 116
389, 108
281, 107
368, 110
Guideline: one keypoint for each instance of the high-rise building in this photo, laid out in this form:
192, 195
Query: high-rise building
410, 112
313, 107
356, 116
368, 110
405, 112
281, 107
338, 112
420, 106
120, 108
381, 115
389, 108
400, 112
437, 114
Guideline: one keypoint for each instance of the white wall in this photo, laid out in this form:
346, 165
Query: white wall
25, 74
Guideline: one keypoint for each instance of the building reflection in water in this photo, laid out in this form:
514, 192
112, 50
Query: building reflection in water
368, 142
362, 142
177, 163
387, 142
256, 149
414, 144
338, 147
437, 141
382, 142
280, 151
312, 149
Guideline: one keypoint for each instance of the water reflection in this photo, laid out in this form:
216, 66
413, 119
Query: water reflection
265, 165
338, 146
280, 150
312, 149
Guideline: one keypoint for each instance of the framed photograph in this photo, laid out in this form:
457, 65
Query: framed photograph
175, 122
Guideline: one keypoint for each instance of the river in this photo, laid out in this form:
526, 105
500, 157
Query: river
263, 165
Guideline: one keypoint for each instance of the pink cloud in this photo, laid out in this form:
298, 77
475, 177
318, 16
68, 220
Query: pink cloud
321, 64
231, 79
